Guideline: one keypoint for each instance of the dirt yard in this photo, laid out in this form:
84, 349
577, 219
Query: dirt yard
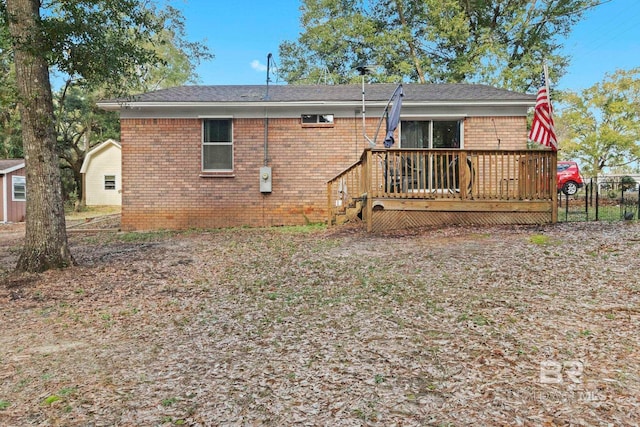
532, 326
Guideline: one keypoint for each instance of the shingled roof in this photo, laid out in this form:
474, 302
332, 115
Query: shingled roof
8, 165
325, 93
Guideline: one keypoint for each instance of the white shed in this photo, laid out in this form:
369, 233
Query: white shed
102, 174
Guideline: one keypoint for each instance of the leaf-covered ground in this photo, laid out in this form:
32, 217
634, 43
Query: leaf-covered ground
533, 326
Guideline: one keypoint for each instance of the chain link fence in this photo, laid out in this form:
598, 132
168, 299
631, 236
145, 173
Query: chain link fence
611, 199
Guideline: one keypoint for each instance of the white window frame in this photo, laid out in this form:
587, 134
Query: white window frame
317, 119
17, 180
217, 143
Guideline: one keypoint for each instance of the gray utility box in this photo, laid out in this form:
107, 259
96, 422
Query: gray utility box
265, 179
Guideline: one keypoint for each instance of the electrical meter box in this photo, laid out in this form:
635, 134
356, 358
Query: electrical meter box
265, 179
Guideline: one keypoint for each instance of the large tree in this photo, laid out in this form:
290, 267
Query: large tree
107, 43
498, 42
45, 240
10, 140
601, 125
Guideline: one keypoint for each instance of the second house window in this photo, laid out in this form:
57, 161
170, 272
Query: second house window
217, 145
317, 119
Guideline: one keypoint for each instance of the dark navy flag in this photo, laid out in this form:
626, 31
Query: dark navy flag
393, 117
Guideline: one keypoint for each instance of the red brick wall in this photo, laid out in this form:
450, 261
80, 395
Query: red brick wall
483, 132
163, 186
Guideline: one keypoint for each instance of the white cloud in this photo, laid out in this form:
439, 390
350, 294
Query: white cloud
258, 66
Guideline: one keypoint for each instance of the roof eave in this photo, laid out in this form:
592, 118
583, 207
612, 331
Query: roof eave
116, 106
12, 168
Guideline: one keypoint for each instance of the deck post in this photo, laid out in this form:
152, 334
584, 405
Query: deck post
464, 176
368, 191
554, 187
329, 207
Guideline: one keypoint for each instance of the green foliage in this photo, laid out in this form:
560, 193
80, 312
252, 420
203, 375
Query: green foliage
132, 37
502, 43
627, 183
80, 126
4, 404
141, 48
601, 125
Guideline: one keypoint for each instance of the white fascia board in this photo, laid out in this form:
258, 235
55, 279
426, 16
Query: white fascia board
204, 110
12, 168
435, 116
164, 105
114, 106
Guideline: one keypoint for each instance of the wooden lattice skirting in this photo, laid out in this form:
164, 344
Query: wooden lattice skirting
392, 220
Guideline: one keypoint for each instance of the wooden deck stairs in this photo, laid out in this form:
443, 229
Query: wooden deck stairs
351, 212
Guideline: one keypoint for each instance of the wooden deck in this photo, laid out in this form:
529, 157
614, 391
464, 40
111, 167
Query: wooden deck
403, 188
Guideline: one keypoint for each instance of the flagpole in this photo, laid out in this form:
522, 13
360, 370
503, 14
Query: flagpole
545, 69
554, 157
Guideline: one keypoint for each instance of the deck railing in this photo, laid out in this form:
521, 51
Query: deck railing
346, 189
502, 175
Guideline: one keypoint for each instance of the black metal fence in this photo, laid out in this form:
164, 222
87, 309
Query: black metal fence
611, 200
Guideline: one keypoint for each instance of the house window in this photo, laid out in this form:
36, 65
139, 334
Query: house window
430, 134
109, 182
217, 145
19, 188
317, 119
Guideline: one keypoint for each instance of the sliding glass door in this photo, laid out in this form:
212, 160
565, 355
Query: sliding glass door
436, 171
430, 134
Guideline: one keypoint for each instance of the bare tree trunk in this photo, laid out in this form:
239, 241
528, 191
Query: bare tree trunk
45, 244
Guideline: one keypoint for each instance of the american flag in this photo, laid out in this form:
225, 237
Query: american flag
542, 130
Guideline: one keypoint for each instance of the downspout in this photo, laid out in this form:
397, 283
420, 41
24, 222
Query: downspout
265, 170
266, 116
266, 137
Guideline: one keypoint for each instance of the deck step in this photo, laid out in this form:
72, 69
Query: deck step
350, 213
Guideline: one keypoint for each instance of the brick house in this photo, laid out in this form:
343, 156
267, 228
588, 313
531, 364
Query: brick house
222, 156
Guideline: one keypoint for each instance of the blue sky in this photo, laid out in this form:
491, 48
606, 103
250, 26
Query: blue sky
241, 33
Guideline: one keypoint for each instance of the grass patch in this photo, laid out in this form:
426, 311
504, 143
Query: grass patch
91, 211
51, 400
169, 402
297, 229
540, 239
577, 213
144, 236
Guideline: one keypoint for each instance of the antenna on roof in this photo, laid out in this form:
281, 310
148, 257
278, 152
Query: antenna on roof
323, 75
266, 96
